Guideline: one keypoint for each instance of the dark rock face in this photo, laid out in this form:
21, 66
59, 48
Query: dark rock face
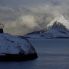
1, 30
18, 57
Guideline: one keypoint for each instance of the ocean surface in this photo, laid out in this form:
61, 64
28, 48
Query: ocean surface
52, 54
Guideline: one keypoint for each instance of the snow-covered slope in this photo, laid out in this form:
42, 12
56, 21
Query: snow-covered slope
14, 45
59, 27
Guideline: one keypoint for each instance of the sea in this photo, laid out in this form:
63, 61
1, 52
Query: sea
52, 54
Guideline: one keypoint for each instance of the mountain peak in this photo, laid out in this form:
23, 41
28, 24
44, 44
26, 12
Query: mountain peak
59, 20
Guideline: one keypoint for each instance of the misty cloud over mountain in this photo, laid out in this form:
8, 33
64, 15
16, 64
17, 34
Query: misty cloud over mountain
23, 16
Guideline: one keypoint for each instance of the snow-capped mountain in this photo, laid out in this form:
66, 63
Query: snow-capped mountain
59, 27
60, 19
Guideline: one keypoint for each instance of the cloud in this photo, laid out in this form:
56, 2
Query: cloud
24, 24
29, 21
23, 19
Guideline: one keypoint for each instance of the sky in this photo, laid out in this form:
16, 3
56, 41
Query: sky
24, 16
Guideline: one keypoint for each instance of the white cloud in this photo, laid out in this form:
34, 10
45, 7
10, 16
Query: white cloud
19, 20
28, 20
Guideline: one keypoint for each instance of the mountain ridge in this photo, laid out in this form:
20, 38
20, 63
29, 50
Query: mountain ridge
57, 28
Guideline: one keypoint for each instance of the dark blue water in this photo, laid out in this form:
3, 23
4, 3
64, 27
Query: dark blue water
53, 54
